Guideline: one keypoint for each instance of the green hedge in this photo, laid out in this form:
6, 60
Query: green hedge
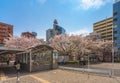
73, 61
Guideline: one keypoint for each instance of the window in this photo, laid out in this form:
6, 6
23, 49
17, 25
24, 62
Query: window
115, 32
115, 19
115, 13
115, 38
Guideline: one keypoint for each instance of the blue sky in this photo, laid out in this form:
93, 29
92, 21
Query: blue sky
76, 16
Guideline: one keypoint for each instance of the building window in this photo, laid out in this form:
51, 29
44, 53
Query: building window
115, 19
115, 38
115, 32
115, 13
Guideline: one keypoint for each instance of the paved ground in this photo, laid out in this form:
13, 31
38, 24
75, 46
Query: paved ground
106, 65
100, 66
62, 76
23, 79
97, 65
65, 76
95, 71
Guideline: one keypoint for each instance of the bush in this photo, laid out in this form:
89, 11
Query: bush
73, 61
69, 62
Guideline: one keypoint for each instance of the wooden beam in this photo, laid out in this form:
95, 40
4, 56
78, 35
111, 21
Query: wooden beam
3, 52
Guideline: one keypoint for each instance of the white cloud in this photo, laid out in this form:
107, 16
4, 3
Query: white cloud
84, 31
87, 4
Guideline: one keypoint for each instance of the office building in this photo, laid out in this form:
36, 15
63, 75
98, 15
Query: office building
94, 36
5, 31
29, 34
116, 23
104, 27
56, 30
117, 0
49, 34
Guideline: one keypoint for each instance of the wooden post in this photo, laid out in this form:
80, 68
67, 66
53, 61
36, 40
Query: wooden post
88, 65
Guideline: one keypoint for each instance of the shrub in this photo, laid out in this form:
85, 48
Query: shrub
73, 61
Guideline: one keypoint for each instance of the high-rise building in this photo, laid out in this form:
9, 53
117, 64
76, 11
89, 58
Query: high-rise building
28, 35
104, 27
57, 30
117, 0
49, 34
94, 36
5, 31
116, 23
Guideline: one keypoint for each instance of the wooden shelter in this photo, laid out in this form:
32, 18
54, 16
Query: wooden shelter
33, 59
36, 58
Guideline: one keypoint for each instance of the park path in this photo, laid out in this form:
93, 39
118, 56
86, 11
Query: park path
62, 76
97, 71
22, 79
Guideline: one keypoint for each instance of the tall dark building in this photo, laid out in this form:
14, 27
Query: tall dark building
116, 23
57, 30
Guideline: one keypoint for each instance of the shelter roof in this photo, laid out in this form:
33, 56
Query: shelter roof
42, 46
9, 50
6, 50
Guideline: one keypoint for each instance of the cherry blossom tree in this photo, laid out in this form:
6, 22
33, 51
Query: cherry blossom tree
22, 42
71, 45
62, 44
97, 47
79, 45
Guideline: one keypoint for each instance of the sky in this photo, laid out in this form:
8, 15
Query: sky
75, 16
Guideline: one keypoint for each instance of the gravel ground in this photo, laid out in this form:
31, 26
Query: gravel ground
106, 65
23, 79
97, 65
63, 76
